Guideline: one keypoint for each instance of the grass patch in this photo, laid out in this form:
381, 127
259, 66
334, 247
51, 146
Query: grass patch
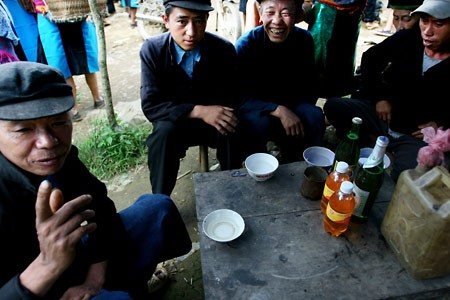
108, 152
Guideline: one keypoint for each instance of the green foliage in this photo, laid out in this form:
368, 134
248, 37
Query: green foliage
110, 151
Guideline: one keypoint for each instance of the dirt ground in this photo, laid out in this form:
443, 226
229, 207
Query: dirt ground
123, 44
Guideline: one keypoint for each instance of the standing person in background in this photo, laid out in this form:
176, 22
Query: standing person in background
371, 14
8, 37
132, 6
185, 92
71, 47
23, 15
335, 26
62, 237
276, 105
404, 87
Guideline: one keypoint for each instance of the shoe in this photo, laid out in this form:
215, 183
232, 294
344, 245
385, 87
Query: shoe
383, 32
133, 25
77, 117
158, 280
99, 103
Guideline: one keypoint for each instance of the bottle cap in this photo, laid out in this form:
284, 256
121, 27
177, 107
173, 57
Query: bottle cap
382, 141
346, 187
362, 160
357, 120
342, 167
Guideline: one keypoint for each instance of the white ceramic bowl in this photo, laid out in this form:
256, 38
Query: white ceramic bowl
318, 156
261, 166
365, 152
223, 225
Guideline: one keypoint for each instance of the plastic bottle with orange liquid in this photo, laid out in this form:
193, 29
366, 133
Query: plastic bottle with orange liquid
339, 210
333, 183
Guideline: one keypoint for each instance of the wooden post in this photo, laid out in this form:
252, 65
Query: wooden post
203, 157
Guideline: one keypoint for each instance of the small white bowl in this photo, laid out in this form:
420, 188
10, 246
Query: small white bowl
365, 152
318, 156
223, 225
261, 166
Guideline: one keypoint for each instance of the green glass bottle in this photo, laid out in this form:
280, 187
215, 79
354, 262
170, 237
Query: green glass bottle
368, 180
348, 149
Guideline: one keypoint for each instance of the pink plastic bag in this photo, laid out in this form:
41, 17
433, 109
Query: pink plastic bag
438, 143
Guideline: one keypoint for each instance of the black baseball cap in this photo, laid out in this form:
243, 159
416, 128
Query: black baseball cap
405, 4
30, 90
199, 5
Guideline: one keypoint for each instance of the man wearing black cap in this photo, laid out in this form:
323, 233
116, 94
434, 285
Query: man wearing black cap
401, 16
402, 9
405, 81
61, 237
187, 92
277, 105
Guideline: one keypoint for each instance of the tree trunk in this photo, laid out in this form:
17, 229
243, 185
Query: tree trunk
98, 21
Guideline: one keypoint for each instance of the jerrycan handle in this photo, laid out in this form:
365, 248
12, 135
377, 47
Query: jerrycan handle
434, 187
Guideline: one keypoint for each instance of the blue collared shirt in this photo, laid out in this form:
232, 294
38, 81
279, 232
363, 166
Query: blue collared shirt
187, 59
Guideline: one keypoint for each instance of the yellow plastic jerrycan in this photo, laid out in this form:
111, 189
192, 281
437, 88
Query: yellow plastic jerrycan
417, 222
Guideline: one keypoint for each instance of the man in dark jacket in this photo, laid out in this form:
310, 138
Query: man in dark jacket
188, 92
405, 81
61, 237
278, 106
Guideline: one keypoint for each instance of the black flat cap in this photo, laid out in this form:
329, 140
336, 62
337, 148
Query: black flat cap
199, 5
30, 90
405, 4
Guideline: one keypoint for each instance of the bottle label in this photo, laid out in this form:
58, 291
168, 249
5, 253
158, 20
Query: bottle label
361, 197
337, 217
327, 192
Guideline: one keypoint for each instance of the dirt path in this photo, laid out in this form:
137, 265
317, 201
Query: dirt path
123, 44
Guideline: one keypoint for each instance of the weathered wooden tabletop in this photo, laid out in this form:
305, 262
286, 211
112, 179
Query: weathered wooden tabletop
284, 252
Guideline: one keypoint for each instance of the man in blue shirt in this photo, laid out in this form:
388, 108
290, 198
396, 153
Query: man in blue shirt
278, 106
186, 92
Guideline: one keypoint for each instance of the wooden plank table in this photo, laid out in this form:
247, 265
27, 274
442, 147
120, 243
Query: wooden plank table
284, 252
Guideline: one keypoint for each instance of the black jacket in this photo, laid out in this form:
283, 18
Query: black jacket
167, 92
18, 238
392, 70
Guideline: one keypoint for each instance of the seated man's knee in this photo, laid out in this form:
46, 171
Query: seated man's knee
163, 132
255, 122
164, 128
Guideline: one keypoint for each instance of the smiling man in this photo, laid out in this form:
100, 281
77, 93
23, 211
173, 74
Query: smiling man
187, 92
278, 80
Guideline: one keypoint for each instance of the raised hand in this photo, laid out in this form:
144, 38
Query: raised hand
59, 229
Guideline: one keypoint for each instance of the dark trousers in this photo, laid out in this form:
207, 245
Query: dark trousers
153, 231
110, 6
168, 143
340, 111
258, 128
372, 10
335, 34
